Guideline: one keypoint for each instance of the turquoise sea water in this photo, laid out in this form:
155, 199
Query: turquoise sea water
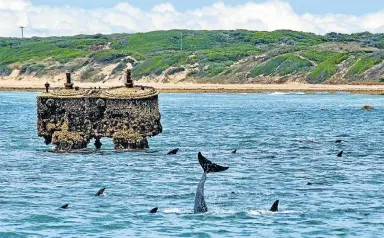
283, 141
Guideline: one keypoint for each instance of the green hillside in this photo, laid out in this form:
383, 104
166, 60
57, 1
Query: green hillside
206, 56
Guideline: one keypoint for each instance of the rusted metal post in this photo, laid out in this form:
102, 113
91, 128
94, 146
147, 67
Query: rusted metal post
128, 79
46, 87
68, 84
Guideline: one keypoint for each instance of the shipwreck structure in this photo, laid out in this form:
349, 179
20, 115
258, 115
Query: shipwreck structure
70, 117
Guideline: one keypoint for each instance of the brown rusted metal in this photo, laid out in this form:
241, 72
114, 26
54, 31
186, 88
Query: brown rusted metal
46, 87
128, 79
68, 84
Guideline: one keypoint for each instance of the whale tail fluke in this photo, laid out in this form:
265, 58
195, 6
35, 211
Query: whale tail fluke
275, 206
208, 166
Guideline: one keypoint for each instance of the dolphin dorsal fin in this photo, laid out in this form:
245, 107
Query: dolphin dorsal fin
275, 206
208, 166
100, 192
154, 210
173, 152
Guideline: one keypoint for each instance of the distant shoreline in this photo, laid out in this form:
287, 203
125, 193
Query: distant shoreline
37, 86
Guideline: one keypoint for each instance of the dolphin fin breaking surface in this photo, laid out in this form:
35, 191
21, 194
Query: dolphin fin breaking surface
154, 210
100, 192
275, 206
173, 152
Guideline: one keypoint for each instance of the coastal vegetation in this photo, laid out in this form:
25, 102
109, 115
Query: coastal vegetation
235, 56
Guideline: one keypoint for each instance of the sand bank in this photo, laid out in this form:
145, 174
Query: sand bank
38, 85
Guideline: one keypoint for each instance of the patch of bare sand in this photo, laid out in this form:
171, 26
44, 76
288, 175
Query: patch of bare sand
37, 85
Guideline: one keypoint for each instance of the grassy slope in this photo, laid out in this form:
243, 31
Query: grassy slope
213, 52
364, 64
282, 65
327, 68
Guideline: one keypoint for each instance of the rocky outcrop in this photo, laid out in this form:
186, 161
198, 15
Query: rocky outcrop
366, 107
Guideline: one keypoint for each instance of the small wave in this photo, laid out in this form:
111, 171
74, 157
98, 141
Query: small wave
178, 196
213, 211
345, 210
228, 212
176, 210
343, 135
308, 140
288, 93
222, 211
267, 212
343, 93
104, 194
278, 93
312, 189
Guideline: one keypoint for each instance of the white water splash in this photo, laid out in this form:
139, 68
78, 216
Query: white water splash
267, 212
288, 93
176, 210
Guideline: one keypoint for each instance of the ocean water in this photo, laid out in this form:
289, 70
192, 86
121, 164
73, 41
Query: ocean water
283, 141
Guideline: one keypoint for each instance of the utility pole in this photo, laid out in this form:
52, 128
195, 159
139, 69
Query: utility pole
22, 31
181, 43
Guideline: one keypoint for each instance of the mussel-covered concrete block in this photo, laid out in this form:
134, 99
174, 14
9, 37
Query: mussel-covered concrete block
70, 118
129, 140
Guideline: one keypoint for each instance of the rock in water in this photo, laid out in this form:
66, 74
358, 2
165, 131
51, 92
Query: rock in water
366, 107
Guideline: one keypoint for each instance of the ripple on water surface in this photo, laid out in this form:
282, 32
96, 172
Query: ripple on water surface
283, 141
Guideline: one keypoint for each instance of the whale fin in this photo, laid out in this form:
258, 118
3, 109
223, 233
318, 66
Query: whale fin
173, 152
154, 210
340, 154
275, 206
208, 166
100, 192
234, 152
65, 206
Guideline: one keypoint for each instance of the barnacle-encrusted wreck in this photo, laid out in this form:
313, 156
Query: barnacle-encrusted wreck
70, 117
